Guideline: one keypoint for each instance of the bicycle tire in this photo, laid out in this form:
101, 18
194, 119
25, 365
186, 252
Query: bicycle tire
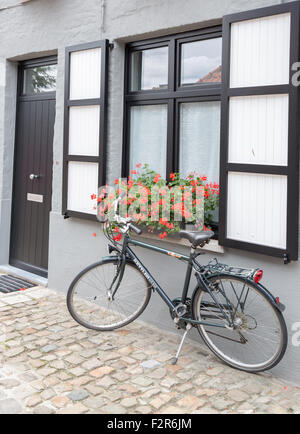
205, 331
111, 261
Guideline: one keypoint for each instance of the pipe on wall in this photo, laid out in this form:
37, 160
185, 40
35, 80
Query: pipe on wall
102, 7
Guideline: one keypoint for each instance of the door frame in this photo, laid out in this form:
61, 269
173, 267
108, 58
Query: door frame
49, 60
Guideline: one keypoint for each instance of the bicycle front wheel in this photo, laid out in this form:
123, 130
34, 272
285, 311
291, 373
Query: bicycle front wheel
257, 341
92, 302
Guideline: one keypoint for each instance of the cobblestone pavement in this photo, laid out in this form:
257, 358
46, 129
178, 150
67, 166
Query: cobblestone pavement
49, 364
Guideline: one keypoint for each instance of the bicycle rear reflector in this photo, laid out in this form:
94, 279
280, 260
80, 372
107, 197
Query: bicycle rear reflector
258, 276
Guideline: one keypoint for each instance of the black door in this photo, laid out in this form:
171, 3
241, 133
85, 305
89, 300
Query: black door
33, 166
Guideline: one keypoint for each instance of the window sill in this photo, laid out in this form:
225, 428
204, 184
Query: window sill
213, 245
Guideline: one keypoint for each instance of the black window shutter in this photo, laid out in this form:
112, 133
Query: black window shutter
259, 162
88, 94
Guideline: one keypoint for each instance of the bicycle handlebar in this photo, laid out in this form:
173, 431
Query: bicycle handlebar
124, 221
135, 229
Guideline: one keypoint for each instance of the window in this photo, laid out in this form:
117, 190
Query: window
201, 62
85, 127
199, 138
149, 69
148, 135
259, 195
38, 79
173, 106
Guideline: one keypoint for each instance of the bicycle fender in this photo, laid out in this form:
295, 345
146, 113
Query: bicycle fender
117, 258
109, 258
274, 301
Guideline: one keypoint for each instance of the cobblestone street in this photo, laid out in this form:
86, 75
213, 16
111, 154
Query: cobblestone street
49, 364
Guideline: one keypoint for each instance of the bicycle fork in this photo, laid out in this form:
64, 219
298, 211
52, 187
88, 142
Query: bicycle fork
187, 329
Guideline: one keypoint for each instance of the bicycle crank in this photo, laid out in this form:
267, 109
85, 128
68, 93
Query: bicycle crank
180, 311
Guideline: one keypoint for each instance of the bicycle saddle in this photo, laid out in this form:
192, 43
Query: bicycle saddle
197, 238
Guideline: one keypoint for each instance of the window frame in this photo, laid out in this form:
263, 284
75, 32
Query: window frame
27, 64
172, 96
102, 102
292, 168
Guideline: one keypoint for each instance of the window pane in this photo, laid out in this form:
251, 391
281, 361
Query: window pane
148, 136
201, 62
149, 69
200, 139
39, 79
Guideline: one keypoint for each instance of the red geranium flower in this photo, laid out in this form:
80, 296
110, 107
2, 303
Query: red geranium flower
162, 236
117, 237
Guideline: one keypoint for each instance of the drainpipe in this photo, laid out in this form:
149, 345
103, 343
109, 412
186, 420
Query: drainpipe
102, 8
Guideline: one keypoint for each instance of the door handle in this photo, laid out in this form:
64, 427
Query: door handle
32, 176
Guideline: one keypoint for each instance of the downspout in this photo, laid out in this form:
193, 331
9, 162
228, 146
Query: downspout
102, 8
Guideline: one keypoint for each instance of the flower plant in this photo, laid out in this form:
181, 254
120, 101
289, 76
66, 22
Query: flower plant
161, 205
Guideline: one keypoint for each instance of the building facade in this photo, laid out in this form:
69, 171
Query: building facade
89, 89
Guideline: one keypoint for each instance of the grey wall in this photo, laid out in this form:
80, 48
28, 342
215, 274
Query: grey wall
8, 76
41, 27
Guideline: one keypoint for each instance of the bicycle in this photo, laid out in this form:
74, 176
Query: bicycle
237, 317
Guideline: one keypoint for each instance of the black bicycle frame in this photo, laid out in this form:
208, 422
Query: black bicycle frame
192, 264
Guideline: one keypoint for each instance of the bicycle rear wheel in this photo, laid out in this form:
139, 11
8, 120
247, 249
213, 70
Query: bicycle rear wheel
258, 341
90, 298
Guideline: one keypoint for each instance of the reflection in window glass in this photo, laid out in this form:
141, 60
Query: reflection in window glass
148, 136
39, 79
149, 69
201, 62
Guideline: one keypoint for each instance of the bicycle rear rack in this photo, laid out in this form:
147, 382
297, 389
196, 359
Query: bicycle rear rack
215, 267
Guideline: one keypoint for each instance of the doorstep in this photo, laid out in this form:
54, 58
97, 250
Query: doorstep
18, 272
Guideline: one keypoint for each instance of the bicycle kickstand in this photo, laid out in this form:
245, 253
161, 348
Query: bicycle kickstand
188, 327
